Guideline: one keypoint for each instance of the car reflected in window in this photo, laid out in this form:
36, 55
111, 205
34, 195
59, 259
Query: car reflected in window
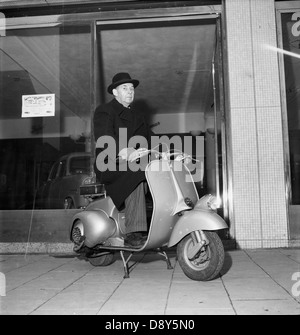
61, 190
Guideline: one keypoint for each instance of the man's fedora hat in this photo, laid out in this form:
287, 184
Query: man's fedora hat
121, 78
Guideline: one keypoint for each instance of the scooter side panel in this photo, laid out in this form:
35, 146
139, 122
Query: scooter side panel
103, 204
196, 220
97, 227
107, 205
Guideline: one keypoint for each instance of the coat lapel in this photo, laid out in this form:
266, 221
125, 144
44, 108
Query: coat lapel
130, 119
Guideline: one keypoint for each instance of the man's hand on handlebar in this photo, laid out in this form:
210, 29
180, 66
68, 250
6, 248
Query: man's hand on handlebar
125, 153
138, 154
131, 154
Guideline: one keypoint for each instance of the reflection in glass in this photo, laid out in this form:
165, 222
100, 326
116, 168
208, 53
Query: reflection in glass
40, 61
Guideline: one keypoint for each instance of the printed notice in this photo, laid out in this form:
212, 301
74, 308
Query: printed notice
38, 105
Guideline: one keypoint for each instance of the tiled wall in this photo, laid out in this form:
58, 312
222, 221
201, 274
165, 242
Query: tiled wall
258, 187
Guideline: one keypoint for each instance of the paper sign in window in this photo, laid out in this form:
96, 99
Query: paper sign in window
38, 105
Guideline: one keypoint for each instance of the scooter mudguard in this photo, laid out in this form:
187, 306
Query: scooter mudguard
195, 220
97, 226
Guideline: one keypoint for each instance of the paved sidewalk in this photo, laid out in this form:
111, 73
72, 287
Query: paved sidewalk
252, 282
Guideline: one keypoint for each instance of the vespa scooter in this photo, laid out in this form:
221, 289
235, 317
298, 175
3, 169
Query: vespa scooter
179, 218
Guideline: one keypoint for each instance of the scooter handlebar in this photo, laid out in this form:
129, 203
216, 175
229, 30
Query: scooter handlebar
167, 155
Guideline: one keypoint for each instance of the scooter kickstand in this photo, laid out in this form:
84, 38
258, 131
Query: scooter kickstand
167, 259
125, 263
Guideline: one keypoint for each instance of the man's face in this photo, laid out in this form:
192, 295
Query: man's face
124, 94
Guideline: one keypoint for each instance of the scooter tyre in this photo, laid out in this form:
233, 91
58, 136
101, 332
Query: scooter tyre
102, 260
207, 270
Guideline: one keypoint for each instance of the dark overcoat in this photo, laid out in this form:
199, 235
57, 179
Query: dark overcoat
107, 121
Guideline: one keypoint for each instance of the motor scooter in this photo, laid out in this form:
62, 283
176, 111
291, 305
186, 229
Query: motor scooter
179, 218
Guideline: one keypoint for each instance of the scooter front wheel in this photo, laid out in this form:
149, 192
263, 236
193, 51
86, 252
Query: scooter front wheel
207, 263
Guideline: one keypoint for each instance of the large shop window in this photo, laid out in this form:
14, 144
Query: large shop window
45, 113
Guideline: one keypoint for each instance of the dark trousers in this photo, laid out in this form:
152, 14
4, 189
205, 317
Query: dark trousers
135, 210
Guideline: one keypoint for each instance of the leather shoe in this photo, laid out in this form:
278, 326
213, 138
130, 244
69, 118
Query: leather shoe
135, 239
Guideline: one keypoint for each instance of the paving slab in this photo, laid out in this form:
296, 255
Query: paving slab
257, 282
266, 307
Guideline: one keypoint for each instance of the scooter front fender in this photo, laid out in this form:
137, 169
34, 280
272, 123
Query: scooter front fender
96, 226
195, 220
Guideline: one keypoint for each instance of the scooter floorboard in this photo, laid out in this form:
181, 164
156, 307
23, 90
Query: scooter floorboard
137, 248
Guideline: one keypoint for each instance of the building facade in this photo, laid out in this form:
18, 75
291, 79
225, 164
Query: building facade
224, 72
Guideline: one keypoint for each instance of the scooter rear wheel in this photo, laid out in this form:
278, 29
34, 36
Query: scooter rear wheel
207, 264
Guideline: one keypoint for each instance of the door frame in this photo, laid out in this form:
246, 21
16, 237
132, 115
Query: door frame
292, 210
216, 14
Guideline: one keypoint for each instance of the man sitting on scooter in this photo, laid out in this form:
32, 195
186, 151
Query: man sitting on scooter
124, 186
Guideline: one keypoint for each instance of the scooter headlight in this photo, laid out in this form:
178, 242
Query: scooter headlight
208, 201
213, 202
